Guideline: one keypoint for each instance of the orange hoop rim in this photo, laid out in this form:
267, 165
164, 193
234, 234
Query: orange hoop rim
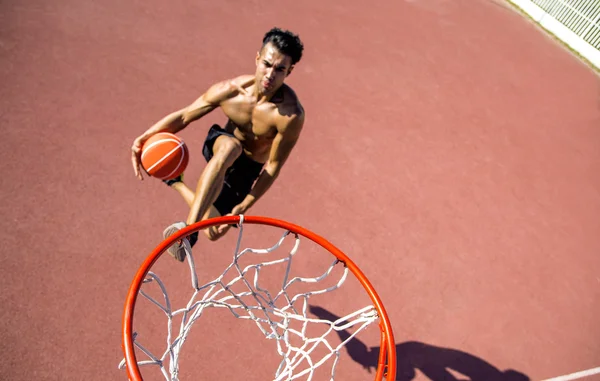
387, 352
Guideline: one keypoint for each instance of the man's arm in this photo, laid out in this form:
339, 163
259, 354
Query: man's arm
178, 120
282, 146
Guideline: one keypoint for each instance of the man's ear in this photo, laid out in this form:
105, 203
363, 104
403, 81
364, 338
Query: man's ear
290, 70
257, 57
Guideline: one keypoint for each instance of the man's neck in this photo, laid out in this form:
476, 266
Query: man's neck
275, 96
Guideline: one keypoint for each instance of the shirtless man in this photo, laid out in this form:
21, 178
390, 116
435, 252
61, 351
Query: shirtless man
265, 119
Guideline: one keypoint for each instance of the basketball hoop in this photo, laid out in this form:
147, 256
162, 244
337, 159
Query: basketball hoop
273, 319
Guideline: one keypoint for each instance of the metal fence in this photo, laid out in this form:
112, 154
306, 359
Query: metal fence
580, 16
575, 22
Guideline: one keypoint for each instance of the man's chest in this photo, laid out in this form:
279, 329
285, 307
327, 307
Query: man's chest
251, 119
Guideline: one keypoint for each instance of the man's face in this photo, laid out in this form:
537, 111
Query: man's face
271, 69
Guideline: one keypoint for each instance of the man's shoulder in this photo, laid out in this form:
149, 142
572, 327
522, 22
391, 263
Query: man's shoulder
290, 113
290, 102
244, 80
232, 86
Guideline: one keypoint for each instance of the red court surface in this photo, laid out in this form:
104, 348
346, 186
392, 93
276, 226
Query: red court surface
451, 148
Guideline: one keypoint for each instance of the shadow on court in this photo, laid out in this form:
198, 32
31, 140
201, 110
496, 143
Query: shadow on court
434, 362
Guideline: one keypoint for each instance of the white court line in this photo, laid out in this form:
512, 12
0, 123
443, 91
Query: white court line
575, 376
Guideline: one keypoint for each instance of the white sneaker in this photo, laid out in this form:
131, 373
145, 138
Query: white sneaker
178, 249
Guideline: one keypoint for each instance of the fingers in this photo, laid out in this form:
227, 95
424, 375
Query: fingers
136, 166
135, 159
222, 229
216, 232
211, 232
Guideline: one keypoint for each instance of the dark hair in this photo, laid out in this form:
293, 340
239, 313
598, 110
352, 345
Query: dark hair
286, 42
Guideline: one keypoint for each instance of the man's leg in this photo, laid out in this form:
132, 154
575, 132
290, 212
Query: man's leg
226, 150
189, 195
185, 192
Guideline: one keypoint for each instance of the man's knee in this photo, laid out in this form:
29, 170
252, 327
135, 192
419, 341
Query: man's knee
227, 149
212, 234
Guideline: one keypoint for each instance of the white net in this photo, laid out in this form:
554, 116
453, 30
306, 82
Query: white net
281, 316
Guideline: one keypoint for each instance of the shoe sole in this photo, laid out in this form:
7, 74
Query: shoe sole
178, 249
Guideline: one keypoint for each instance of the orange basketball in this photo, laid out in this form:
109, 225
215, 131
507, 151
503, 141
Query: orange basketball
165, 156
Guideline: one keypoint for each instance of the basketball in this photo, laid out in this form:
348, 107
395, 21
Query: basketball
165, 156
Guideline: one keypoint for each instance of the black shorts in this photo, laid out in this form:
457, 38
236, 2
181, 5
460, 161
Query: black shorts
239, 178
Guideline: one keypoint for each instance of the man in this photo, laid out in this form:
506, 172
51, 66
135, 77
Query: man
245, 157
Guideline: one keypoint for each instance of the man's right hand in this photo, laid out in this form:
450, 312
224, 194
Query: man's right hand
136, 153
